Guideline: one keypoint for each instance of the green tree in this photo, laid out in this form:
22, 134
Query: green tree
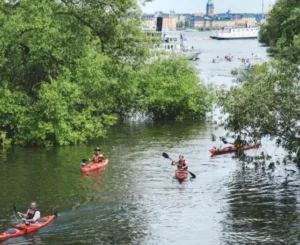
70, 69
282, 29
171, 90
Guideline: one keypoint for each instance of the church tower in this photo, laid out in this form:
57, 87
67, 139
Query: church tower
210, 8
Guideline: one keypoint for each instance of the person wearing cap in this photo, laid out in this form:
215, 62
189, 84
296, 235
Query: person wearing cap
181, 164
98, 157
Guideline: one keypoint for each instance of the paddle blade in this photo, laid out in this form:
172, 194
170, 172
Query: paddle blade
193, 175
165, 155
224, 141
15, 209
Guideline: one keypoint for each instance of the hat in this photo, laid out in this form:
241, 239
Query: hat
97, 149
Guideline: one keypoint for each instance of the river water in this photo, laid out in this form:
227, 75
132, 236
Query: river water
136, 199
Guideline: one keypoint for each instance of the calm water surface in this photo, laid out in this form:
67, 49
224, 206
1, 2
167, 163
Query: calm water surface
136, 199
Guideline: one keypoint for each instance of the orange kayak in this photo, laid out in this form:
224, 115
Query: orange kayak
181, 175
94, 166
232, 149
22, 229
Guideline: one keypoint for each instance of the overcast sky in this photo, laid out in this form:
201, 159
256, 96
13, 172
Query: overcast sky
198, 6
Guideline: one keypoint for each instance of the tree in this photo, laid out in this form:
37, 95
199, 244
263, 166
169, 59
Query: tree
170, 89
70, 69
282, 29
266, 101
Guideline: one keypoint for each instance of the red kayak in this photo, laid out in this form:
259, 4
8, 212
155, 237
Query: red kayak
232, 149
94, 166
181, 175
22, 229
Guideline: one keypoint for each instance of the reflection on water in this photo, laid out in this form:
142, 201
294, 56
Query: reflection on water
137, 200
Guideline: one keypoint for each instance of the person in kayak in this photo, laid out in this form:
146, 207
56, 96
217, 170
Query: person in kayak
238, 143
98, 157
181, 164
32, 214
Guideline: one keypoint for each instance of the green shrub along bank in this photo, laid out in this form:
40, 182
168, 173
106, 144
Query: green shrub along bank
170, 89
69, 70
265, 102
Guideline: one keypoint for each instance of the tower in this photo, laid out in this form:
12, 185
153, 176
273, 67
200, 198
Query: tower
210, 8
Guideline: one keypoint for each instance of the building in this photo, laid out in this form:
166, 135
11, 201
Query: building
210, 20
246, 21
210, 8
169, 23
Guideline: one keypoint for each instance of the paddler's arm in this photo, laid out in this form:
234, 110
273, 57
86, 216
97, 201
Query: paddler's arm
21, 214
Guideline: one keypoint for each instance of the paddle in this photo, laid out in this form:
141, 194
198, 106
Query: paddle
226, 142
165, 155
16, 212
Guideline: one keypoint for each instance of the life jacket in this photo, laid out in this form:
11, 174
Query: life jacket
182, 164
30, 213
97, 158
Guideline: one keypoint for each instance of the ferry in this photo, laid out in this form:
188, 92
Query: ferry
176, 43
234, 33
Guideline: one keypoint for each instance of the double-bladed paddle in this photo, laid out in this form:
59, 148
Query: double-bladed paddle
165, 155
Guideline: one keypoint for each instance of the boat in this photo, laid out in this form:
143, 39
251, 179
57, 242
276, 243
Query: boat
230, 149
91, 166
22, 229
176, 43
235, 33
181, 175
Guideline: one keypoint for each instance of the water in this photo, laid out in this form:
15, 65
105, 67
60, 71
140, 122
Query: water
136, 199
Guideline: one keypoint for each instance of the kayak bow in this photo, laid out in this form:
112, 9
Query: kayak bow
181, 175
94, 166
230, 149
22, 229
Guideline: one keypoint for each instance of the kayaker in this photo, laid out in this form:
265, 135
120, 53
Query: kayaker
32, 214
238, 143
98, 157
181, 164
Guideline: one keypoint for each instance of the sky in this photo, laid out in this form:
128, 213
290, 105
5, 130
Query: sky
198, 6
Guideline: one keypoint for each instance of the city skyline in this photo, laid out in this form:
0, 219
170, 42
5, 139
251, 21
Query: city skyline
199, 6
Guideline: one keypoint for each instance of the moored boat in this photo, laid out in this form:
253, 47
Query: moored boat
230, 149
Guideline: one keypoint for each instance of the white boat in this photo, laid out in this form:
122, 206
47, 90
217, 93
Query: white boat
234, 33
175, 43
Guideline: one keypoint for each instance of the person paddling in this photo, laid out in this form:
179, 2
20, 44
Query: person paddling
32, 214
98, 157
238, 143
181, 164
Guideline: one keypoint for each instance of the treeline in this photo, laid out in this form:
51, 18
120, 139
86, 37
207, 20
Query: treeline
70, 69
266, 101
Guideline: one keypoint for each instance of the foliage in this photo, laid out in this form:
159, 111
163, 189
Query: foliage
171, 90
282, 30
265, 102
69, 69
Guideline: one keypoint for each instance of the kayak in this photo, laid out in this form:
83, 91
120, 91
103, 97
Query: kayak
22, 229
94, 166
181, 175
232, 149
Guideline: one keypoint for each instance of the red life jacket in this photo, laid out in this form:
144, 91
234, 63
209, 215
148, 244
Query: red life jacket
30, 213
182, 164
